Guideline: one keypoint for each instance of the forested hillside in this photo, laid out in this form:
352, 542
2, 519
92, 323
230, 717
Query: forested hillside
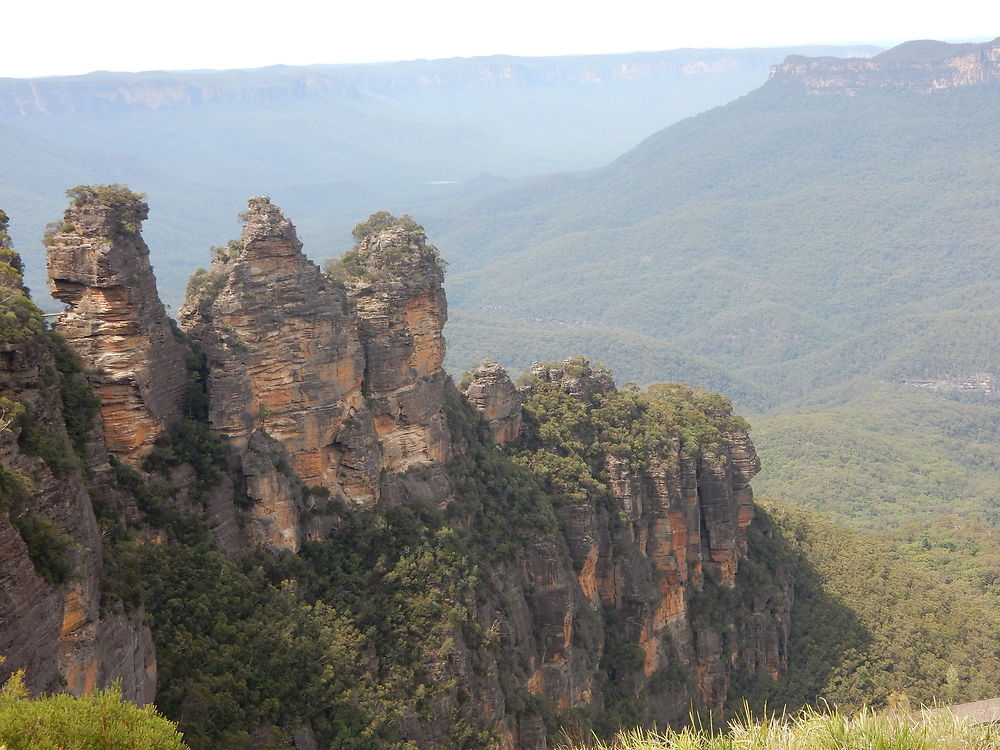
823, 250
287, 524
796, 240
332, 143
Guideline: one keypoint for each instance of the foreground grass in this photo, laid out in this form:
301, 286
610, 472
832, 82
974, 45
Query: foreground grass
811, 730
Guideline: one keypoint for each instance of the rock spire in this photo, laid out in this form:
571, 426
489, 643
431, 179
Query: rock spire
98, 264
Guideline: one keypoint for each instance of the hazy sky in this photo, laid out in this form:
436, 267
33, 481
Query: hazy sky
45, 37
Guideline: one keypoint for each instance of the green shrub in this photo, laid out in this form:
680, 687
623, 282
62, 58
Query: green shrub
99, 721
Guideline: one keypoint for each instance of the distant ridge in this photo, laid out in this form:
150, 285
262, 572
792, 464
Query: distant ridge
103, 91
923, 66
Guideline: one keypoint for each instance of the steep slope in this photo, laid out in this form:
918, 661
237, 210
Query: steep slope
603, 565
774, 228
56, 623
333, 142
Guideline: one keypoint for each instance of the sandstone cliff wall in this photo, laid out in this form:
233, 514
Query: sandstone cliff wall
923, 67
640, 573
98, 264
52, 622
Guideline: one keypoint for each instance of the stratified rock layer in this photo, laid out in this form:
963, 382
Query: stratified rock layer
921, 66
493, 394
675, 528
395, 280
284, 359
98, 264
56, 630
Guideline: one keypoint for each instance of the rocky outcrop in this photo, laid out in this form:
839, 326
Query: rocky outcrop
672, 537
284, 358
52, 623
576, 377
98, 264
600, 553
394, 278
920, 66
493, 394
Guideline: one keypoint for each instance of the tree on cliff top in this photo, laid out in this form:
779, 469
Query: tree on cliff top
385, 248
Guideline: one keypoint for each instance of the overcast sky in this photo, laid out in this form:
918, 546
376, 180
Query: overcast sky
45, 37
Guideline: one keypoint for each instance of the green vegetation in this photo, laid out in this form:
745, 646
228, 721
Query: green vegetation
203, 288
814, 730
20, 319
351, 636
868, 626
876, 456
105, 195
385, 249
99, 721
570, 440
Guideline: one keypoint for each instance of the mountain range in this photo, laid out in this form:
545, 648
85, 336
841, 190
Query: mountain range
335, 142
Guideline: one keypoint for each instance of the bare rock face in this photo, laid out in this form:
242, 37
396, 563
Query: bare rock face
493, 394
674, 531
284, 359
51, 622
98, 264
919, 66
394, 278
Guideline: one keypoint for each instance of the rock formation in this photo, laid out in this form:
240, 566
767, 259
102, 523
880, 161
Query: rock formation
920, 66
284, 358
52, 623
493, 394
98, 264
329, 393
394, 278
675, 530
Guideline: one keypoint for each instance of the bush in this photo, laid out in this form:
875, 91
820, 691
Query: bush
99, 721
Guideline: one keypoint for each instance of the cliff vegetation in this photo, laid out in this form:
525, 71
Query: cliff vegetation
283, 520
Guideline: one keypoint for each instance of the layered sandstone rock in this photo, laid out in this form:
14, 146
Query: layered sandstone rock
55, 629
284, 361
394, 278
920, 66
493, 394
674, 535
98, 264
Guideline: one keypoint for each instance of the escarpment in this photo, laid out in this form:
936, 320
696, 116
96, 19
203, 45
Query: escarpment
483, 566
98, 264
55, 622
654, 522
919, 66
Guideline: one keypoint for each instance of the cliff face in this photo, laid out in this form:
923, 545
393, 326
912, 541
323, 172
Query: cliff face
601, 546
395, 281
284, 359
344, 378
669, 536
98, 264
923, 67
52, 622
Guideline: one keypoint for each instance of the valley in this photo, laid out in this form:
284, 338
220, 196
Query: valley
275, 503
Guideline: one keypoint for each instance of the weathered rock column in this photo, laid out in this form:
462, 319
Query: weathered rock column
284, 360
493, 394
395, 280
98, 264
